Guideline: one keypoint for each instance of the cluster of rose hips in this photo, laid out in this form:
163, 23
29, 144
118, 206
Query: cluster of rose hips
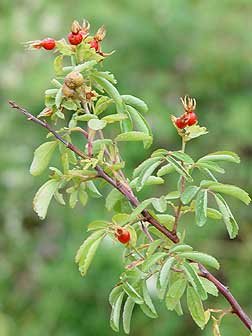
189, 118
122, 235
77, 34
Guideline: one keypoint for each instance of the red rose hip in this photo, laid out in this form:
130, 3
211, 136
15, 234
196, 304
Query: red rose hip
75, 39
181, 122
94, 44
123, 235
192, 119
48, 43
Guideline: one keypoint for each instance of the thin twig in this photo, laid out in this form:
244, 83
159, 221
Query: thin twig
236, 308
121, 187
146, 231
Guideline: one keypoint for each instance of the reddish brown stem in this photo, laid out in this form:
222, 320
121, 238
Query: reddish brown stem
236, 308
147, 216
125, 190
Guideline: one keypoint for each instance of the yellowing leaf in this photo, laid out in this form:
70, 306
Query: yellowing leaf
43, 197
42, 157
87, 250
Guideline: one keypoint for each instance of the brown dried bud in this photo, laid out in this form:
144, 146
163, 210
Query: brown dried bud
76, 27
67, 92
101, 33
90, 95
74, 79
45, 113
189, 104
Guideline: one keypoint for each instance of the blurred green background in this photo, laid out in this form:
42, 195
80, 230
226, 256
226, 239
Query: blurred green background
165, 49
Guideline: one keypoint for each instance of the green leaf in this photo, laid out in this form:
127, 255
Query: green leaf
113, 197
127, 314
182, 156
85, 66
107, 75
42, 157
58, 65
115, 313
201, 208
59, 198
126, 124
221, 156
202, 258
58, 100
102, 104
86, 252
83, 197
97, 144
179, 168
69, 104
193, 277
43, 197
145, 174
133, 235
137, 211
133, 136
121, 218
172, 195
73, 199
227, 189
180, 248
231, 225
211, 166
175, 292
194, 131
153, 180
85, 117
148, 306
93, 191
166, 220
209, 287
189, 194
135, 102
112, 92
132, 292
145, 164
160, 152
141, 124
160, 204
213, 213
164, 275
114, 118
151, 261
64, 48
97, 225
96, 124
152, 247
178, 309
195, 307
114, 294
51, 92
167, 169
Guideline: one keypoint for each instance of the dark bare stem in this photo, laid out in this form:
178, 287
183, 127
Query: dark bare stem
236, 308
122, 187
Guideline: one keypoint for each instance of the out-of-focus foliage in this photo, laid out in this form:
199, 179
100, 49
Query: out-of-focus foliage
165, 49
